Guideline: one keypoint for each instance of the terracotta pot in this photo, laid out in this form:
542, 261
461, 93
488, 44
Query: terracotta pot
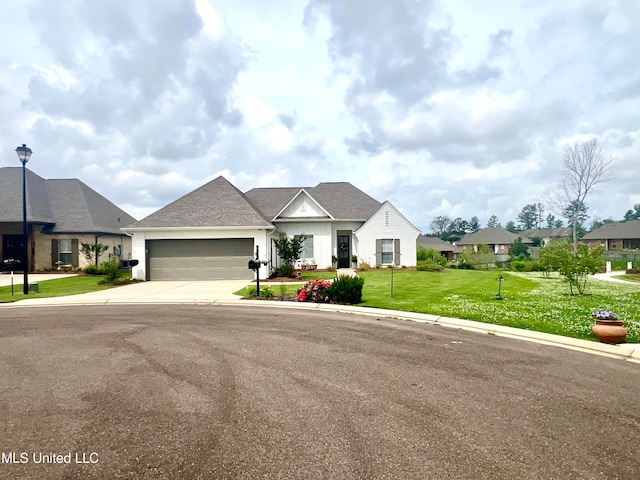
609, 331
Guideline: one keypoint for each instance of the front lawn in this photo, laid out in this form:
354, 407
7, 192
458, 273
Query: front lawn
55, 288
530, 301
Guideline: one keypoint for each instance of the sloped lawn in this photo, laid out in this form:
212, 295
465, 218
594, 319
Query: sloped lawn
530, 300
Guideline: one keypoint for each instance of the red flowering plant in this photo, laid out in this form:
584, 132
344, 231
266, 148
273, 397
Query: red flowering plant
314, 291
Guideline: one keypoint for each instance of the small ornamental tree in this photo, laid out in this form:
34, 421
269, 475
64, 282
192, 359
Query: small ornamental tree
574, 266
289, 249
92, 251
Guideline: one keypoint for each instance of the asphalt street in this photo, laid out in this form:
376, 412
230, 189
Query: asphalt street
209, 391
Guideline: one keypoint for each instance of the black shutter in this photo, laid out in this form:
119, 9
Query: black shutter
74, 253
54, 253
378, 251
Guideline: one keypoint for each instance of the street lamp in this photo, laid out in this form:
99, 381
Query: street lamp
24, 153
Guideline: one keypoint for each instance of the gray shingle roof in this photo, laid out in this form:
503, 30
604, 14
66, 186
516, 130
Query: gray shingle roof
344, 201
341, 200
65, 205
271, 200
217, 203
435, 242
492, 236
547, 232
615, 231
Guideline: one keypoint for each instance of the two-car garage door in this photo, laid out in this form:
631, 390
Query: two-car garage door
201, 259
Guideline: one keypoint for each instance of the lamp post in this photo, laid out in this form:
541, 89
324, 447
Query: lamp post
24, 153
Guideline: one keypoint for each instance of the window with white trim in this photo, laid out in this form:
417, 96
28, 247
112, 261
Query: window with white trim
307, 247
387, 251
65, 251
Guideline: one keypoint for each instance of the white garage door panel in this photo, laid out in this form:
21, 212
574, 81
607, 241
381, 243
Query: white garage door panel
213, 259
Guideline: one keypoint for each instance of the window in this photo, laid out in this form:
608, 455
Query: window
65, 251
387, 251
307, 247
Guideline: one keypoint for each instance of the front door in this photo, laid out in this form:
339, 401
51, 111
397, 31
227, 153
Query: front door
344, 251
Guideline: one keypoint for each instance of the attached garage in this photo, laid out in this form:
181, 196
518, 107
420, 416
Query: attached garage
199, 259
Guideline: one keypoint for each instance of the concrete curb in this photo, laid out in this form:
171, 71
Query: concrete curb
627, 352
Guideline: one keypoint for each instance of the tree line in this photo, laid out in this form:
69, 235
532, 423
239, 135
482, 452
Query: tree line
585, 167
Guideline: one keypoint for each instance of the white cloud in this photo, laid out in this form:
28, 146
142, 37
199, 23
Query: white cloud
444, 108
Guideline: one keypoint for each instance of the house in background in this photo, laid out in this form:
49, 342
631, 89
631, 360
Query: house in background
498, 239
446, 249
615, 236
212, 232
61, 215
547, 234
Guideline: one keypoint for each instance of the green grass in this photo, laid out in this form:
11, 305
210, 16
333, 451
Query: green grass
629, 277
530, 301
55, 288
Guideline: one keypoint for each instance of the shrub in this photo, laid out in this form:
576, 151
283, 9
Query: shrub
265, 292
346, 289
364, 266
428, 266
314, 291
110, 269
430, 254
525, 266
633, 271
92, 270
284, 271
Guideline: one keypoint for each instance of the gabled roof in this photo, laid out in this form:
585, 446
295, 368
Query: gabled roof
435, 242
63, 205
616, 230
302, 193
561, 232
217, 203
384, 207
341, 200
492, 236
270, 201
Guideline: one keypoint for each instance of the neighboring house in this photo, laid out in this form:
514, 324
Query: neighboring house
498, 239
212, 232
61, 215
615, 236
448, 250
547, 234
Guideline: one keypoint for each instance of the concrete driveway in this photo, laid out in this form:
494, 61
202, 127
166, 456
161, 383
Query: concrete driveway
151, 292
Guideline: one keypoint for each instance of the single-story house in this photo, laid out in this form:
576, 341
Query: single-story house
498, 239
547, 234
446, 249
213, 231
61, 215
615, 236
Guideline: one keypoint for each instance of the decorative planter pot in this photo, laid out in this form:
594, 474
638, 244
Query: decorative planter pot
609, 331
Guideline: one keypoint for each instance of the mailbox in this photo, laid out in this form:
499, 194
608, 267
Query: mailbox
253, 265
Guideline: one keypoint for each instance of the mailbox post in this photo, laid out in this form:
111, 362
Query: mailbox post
255, 266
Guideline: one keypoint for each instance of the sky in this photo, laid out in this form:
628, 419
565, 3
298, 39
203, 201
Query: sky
459, 107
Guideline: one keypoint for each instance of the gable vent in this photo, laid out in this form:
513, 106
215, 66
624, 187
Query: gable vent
386, 218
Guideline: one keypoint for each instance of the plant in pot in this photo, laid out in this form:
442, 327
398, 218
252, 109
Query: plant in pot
354, 260
608, 327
